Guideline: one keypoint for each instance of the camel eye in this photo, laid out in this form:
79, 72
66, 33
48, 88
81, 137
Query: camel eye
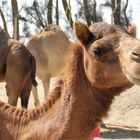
97, 52
102, 50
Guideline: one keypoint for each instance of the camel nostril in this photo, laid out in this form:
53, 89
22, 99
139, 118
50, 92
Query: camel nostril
135, 56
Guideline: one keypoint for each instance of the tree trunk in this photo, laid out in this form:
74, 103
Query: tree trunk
67, 9
113, 5
57, 13
116, 12
49, 14
36, 6
94, 11
86, 12
3, 20
125, 16
15, 19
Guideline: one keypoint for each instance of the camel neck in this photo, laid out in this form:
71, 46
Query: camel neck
85, 105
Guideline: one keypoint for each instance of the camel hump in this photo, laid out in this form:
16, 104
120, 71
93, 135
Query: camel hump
33, 71
51, 27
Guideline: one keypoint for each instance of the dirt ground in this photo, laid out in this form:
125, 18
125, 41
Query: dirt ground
123, 122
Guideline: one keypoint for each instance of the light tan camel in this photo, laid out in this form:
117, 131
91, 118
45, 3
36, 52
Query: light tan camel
93, 77
50, 49
17, 69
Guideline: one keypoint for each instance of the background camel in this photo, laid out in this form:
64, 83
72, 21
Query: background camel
50, 49
95, 74
17, 69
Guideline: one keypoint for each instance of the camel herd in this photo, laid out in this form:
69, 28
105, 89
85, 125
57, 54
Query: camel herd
103, 62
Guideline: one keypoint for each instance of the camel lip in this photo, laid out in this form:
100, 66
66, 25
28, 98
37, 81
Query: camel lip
135, 57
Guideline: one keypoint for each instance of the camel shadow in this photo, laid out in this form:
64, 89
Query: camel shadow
119, 133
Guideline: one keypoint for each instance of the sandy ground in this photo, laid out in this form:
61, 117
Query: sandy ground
123, 122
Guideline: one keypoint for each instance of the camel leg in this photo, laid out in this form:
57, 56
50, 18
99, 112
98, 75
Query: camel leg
25, 94
12, 100
35, 95
12, 95
46, 83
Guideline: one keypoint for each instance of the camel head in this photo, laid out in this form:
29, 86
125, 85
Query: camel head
111, 54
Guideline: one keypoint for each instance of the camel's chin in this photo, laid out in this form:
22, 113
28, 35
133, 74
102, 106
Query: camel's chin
134, 80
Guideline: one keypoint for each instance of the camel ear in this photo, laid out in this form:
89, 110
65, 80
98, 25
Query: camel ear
133, 30
83, 33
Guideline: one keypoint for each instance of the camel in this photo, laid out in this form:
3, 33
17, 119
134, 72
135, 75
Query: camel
17, 69
97, 70
50, 48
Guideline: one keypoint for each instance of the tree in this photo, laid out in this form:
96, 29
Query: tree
67, 9
86, 12
57, 13
36, 15
39, 15
116, 11
96, 15
95, 10
3, 20
127, 19
49, 15
42, 13
119, 9
15, 15
90, 14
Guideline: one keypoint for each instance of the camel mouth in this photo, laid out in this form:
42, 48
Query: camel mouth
135, 57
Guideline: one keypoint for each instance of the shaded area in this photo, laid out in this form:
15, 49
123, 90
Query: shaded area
114, 132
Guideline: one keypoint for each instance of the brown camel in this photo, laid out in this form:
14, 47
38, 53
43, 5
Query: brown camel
95, 74
50, 48
17, 69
